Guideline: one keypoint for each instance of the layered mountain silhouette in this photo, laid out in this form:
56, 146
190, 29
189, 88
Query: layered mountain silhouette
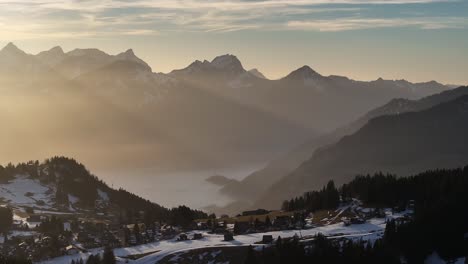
113, 110
402, 143
254, 184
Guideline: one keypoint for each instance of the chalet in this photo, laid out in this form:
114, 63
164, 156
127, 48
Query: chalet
168, 232
228, 237
357, 221
23, 245
150, 235
19, 224
132, 239
35, 218
202, 226
267, 239
346, 222
141, 227
241, 227
182, 237
379, 213
71, 250
255, 212
83, 237
110, 240
66, 226
219, 230
282, 222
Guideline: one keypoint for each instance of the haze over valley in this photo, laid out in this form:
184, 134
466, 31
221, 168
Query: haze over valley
233, 131
115, 114
183, 119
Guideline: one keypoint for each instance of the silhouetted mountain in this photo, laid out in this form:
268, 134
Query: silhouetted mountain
303, 74
401, 144
51, 57
303, 97
254, 184
129, 55
225, 66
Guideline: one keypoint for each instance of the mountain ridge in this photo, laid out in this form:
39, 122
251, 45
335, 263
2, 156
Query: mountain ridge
178, 120
375, 147
253, 184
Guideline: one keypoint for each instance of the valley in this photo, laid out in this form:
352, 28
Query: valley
105, 160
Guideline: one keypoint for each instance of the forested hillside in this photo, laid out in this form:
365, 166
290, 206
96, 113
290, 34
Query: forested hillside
63, 184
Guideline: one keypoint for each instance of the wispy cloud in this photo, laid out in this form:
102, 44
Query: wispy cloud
343, 24
91, 18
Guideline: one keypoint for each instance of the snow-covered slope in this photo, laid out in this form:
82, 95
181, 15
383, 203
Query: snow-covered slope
26, 192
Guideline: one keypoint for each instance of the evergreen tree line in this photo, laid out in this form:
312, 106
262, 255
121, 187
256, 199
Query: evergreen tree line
440, 205
327, 198
6, 219
323, 250
440, 221
14, 260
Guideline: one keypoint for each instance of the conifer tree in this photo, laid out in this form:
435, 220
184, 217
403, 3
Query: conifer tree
250, 259
108, 256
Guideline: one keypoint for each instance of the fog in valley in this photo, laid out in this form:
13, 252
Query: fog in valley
233, 131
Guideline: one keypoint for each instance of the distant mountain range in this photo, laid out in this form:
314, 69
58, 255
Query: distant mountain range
399, 140
114, 111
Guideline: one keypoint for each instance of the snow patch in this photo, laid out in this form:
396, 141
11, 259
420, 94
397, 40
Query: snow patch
103, 195
23, 191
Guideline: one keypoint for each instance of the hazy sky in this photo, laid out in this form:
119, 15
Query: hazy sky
418, 40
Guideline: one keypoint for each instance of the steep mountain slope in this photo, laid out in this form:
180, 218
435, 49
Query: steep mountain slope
402, 144
257, 182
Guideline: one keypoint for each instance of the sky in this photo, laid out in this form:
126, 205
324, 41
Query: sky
417, 40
